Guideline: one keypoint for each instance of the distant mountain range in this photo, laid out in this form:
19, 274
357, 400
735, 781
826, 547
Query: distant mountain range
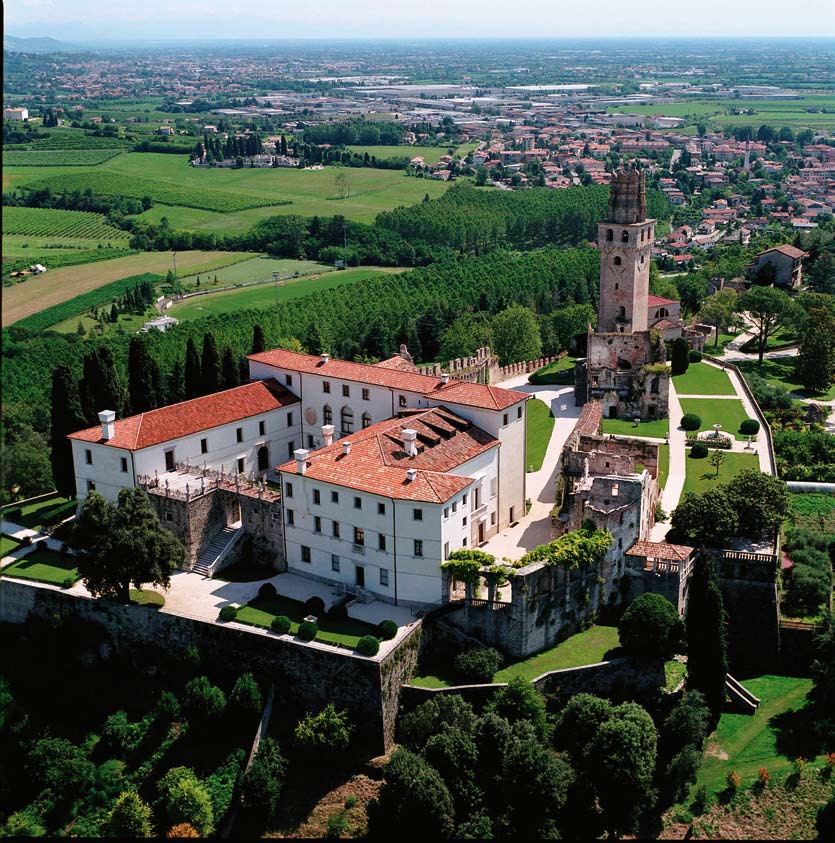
36, 45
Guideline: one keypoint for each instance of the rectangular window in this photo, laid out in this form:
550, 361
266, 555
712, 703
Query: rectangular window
317, 524
334, 497
381, 509
288, 379
346, 390
288, 490
334, 563
125, 465
464, 521
454, 506
291, 517
310, 443
336, 529
492, 517
417, 514
88, 456
464, 500
239, 434
402, 400
366, 395
446, 550
317, 497
464, 542
446, 512
359, 536
289, 419
381, 542
241, 465
418, 547
326, 386
384, 576
204, 446
357, 503
305, 554
519, 412
504, 419
262, 428
291, 446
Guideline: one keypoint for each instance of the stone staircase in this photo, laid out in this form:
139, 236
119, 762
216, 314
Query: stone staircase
741, 698
212, 555
360, 594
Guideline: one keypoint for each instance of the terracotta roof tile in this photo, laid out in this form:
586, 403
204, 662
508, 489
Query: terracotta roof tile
188, 417
397, 362
660, 550
786, 249
657, 301
378, 464
471, 394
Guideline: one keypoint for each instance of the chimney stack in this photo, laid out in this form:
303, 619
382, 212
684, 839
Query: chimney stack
301, 455
346, 447
108, 424
409, 442
444, 378
327, 434
411, 474
324, 357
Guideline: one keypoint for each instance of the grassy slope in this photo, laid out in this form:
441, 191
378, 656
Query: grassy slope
701, 475
702, 379
539, 426
36, 294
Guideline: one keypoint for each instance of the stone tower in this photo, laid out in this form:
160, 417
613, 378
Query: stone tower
625, 239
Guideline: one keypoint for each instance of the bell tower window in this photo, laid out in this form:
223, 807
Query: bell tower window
625, 237
610, 235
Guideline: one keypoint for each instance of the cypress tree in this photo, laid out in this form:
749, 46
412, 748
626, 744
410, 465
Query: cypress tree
192, 370
66, 417
243, 370
229, 369
679, 360
211, 375
100, 388
176, 383
144, 379
114, 313
707, 646
816, 359
258, 342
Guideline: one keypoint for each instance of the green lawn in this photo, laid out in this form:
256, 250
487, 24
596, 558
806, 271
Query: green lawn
701, 475
717, 350
429, 682
663, 464
781, 373
253, 269
560, 372
771, 738
674, 672
430, 154
43, 565
703, 379
151, 598
590, 647
262, 610
264, 294
658, 428
44, 513
730, 414
7, 546
539, 426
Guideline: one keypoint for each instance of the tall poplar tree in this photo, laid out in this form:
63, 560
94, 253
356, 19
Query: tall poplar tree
707, 646
816, 360
176, 383
100, 387
192, 371
144, 378
258, 342
211, 375
229, 368
66, 417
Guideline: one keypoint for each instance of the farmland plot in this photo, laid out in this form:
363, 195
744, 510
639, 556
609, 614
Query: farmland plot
52, 222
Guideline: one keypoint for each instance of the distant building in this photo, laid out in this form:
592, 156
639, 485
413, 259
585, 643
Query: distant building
161, 323
787, 262
20, 113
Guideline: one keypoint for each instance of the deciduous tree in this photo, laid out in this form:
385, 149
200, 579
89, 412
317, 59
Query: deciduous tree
516, 335
766, 306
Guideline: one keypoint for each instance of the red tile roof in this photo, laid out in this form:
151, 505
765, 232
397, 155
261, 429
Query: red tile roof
188, 417
588, 423
657, 301
397, 362
378, 464
660, 550
471, 394
790, 251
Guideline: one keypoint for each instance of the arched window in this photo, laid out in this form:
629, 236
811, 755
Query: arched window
610, 235
327, 414
263, 458
366, 420
347, 420
661, 313
617, 260
625, 237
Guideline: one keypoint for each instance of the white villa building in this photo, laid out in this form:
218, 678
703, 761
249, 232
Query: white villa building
384, 471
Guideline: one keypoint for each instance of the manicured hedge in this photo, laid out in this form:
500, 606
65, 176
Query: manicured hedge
368, 645
698, 451
229, 613
280, 624
690, 421
387, 629
308, 630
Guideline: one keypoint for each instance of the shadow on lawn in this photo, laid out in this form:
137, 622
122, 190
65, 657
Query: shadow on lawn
796, 735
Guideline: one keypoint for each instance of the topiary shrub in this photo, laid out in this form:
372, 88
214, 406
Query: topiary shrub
690, 421
694, 356
280, 624
750, 427
478, 665
698, 451
315, 606
229, 613
308, 630
69, 582
368, 645
267, 591
387, 629
339, 611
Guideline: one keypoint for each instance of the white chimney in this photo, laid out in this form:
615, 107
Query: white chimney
346, 447
410, 442
327, 434
301, 455
108, 424
324, 357
411, 474
444, 378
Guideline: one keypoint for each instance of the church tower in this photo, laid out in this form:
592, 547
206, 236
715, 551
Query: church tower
625, 239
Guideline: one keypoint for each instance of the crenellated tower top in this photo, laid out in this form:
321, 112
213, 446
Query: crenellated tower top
628, 197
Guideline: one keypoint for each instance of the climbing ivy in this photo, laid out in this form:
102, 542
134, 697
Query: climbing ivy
465, 565
576, 549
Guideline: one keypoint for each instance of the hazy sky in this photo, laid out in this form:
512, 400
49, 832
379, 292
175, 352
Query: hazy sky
265, 19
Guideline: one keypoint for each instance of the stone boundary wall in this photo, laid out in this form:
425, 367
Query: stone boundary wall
305, 677
772, 460
485, 365
618, 680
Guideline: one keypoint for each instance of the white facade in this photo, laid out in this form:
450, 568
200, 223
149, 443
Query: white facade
21, 113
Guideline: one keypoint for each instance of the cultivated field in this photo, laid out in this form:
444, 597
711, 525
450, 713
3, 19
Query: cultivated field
430, 154
54, 287
256, 269
58, 157
51, 222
